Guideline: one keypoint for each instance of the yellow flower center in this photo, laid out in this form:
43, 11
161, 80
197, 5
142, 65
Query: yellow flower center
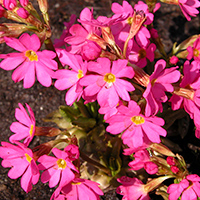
80, 74
28, 158
142, 53
137, 120
31, 130
61, 163
195, 52
31, 55
109, 78
78, 183
130, 20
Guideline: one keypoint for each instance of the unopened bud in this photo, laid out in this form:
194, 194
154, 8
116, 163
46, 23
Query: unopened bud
154, 33
24, 3
151, 167
10, 4
171, 161
173, 60
91, 51
23, 13
174, 169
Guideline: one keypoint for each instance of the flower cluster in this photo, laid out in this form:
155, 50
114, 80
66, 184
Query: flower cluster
116, 92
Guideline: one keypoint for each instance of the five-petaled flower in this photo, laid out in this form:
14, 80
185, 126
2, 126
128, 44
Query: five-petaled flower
25, 127
107, 82
29, 61
57, 170
20, 159
137, 127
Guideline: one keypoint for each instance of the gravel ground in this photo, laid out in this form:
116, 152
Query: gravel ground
171, 25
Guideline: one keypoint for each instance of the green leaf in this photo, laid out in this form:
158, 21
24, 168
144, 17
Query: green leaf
69, 112
85, 123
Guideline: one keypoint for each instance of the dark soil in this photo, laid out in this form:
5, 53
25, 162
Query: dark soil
171, 25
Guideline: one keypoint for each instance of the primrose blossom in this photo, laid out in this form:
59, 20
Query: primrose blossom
107, 81
194, 52
139, 54
70, 78
142, 160
136, 127
160, 82
78, 189
80, 34
25, 127
20, 159
188, 7
29, 61
188, 188
121, 29
132, 188
58, 169
191, 105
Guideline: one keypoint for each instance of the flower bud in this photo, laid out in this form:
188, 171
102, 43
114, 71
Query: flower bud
154, 33
151, 167
23, 13
24, 2
91, 51
174, 169
171, 161
173, 60
10, 4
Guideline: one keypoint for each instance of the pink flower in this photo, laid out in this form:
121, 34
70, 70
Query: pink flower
194, 52
171, 161
9, 4
24, 2
132, 188
25, 127
29, 61
189, 8
151, 167
174, 169
191, 80
79, 34
107, 82
139, 55
137, 128
90, 51
72, 151
188, 188
56, 169
120, 30
109, 111
78, 189
23, 13
70, 79
140, 158
173, 60
160, 82
21, 161
143, 6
